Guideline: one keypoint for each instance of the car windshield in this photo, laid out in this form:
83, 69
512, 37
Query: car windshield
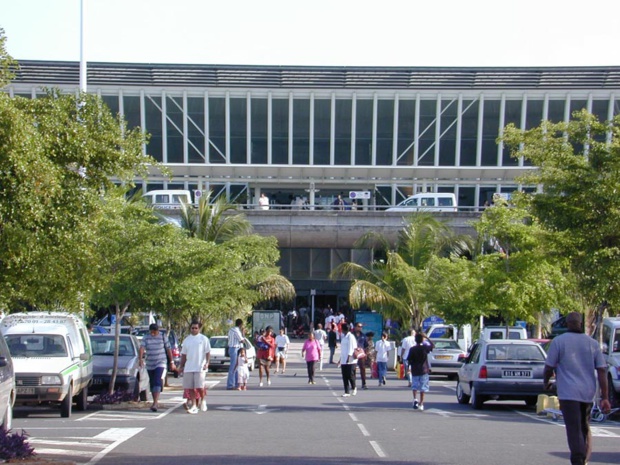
515, 352
219, 342
37, 345
446, 345
105, 346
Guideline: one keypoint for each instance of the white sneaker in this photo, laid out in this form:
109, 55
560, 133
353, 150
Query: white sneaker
203, 405
260, 384
193, 410
269, 382
346, 394
421, 407
354, 392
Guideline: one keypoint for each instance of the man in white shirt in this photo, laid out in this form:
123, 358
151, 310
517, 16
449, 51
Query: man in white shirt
320, 336
347, 361
382, 348
406, 344
195, 357
282, 344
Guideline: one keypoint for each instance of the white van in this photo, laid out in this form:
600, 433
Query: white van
52, 357
168, 199
427, 201
499, 332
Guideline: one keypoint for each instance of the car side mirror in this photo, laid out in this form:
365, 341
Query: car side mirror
84, 356
3, 362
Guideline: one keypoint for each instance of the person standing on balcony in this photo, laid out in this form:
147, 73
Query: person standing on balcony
263, 202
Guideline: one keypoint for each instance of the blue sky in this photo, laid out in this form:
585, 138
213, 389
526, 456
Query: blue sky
321, 32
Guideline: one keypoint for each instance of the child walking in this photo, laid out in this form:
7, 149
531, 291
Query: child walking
243, 372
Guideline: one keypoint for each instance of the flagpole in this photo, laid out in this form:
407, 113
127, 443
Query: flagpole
83, 85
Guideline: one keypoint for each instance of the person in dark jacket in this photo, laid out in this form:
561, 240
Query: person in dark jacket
419, 368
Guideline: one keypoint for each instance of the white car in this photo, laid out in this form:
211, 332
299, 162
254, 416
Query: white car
219, 361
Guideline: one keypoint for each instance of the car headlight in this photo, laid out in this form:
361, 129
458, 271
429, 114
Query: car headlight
119, 371
51, 379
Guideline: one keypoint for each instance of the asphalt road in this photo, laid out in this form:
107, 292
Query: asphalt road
293, 422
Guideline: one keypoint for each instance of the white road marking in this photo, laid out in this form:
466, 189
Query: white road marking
377, 449
363, 429
95, 447
353, 417
597, 432
448, 414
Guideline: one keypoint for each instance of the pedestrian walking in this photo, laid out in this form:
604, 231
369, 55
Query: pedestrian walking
348, 344
282, 345
383, 348
311, 352
574, 357
266, 353
362, 343
195, 357
157, 349
406, 344
419, 368
332, 342
242, 368
235, 342
320, 336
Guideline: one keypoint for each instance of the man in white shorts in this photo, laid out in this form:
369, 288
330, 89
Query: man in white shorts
282, 343
195, 357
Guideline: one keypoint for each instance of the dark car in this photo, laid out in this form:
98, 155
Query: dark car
130, 376
7, 386
502, 369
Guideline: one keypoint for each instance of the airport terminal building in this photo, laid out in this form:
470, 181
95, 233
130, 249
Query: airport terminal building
310, 134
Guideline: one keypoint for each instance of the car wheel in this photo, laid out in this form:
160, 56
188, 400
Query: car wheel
614, 398
531, 401
7, 419
66, 404
476, 399
461, 397
81, 400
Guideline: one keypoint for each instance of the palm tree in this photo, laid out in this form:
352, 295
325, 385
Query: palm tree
220, 222
217, 221
397, 285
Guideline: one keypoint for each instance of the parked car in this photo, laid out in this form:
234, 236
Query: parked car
219, 361
558, 327
7, 387
502, 369
446, 358
130, 376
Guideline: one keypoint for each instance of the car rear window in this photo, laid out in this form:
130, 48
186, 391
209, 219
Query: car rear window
519, 352
218, 342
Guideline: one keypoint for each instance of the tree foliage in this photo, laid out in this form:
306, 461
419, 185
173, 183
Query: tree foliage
579, 204
58, 156
398, 286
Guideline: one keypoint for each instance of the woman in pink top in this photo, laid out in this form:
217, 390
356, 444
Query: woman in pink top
311, 351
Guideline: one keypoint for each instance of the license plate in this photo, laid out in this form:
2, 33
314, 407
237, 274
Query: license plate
97, 381
25, 390
443, 357
517, 374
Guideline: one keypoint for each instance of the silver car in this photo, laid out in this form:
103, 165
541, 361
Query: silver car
130, 376
446, 358
502, 369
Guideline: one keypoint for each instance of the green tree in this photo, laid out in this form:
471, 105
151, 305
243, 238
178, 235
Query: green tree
520, 279
397, 286
579, 172
58, 154
215, 221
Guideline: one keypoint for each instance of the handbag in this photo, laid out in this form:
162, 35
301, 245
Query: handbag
358, 353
